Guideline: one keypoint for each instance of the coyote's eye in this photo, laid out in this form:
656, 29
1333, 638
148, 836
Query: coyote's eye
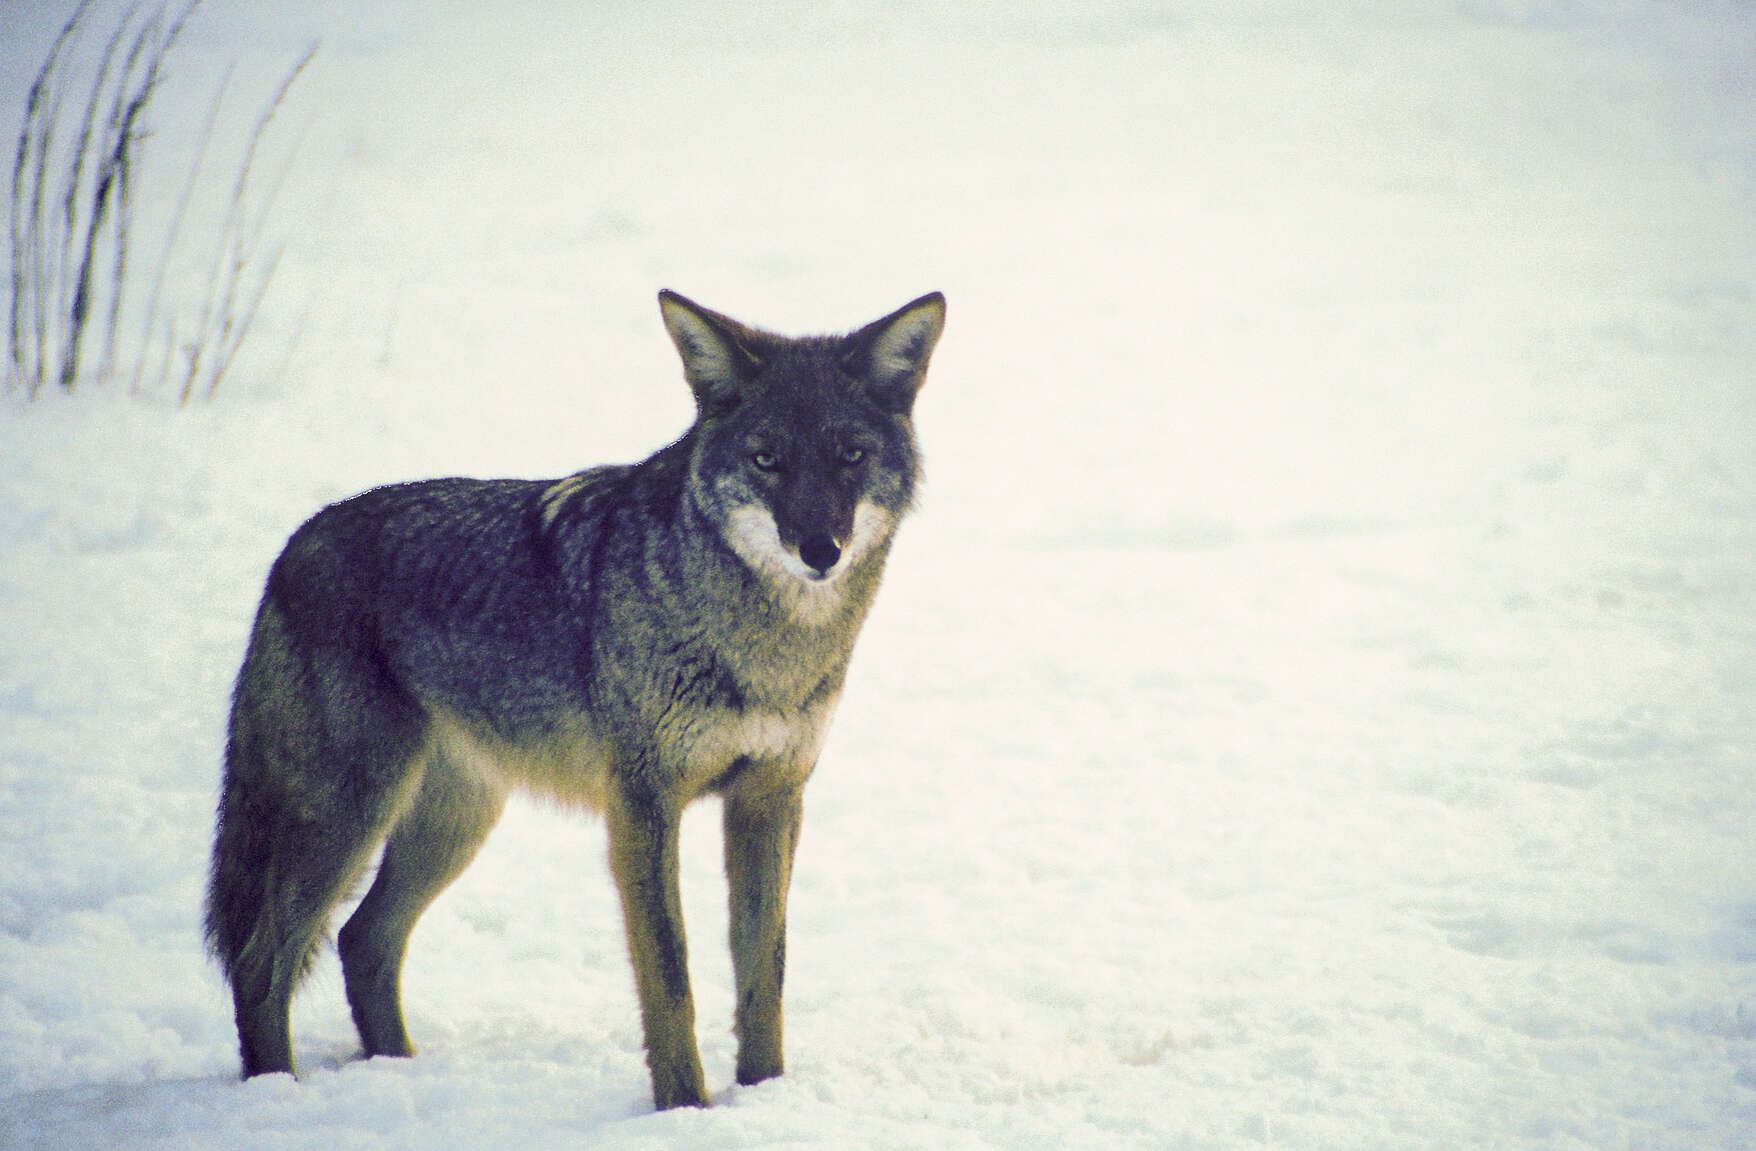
765, 461
852, 456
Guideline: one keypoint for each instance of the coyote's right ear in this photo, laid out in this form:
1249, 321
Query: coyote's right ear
717, 359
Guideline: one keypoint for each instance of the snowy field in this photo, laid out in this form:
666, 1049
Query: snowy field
1313, 707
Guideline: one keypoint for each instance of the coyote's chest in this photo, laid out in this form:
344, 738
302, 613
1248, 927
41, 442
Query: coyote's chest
717, 744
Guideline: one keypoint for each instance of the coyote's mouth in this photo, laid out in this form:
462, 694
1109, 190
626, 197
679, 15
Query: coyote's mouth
820, 552
754, 535
821, 557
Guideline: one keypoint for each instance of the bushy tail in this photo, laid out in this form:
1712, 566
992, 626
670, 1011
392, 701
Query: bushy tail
269, 747
245, 928
320, 757
263, 949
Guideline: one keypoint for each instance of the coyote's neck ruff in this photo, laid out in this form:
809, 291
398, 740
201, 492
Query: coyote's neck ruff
629, 637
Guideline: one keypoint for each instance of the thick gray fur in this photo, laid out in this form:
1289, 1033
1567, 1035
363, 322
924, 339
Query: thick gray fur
628, 638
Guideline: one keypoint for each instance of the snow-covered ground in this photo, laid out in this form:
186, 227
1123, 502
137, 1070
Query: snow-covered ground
1314, 706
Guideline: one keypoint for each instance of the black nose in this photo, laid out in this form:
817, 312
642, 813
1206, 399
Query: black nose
820, 551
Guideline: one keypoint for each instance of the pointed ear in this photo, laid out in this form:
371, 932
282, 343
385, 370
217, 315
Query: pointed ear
717, 359
891, 355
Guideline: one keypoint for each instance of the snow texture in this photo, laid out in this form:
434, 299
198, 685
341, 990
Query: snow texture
1313, 707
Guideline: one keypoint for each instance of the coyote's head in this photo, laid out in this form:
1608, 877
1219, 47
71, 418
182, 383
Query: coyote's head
804, 452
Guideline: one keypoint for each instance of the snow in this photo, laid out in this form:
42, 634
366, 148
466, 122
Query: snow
1311, 707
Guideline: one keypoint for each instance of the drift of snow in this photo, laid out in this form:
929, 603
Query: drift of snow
1312, 706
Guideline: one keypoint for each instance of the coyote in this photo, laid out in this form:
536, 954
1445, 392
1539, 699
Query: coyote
628, 638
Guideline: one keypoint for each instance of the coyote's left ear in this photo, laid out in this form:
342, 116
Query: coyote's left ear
717, 359
891, 355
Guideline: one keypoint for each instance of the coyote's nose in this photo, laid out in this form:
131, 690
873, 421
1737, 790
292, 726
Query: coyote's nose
820, 551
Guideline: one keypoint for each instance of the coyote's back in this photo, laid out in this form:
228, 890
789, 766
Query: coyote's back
628, 638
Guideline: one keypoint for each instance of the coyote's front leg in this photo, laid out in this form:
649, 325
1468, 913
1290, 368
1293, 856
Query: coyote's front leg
761, 835
643, 858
